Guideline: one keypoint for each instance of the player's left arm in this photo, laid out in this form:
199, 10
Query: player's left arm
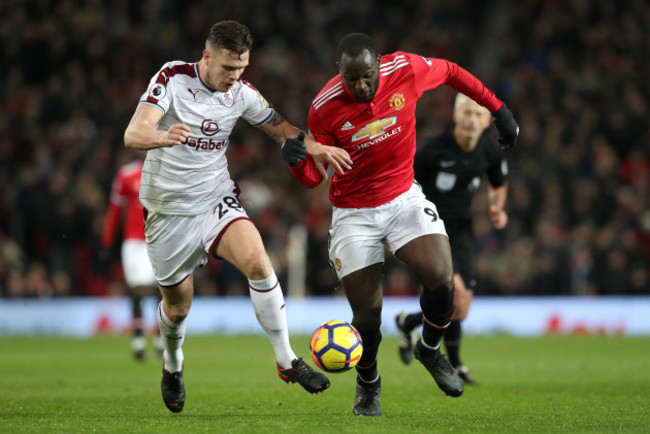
289, 136
433, 72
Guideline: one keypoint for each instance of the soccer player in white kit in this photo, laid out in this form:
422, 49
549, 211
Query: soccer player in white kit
192, 209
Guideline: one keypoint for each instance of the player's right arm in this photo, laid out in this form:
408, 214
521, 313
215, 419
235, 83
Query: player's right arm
141, 134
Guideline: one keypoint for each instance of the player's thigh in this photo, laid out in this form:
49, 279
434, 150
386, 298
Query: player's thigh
241, 245
429, 256
411, 216
417, 237
174, 246
355, 240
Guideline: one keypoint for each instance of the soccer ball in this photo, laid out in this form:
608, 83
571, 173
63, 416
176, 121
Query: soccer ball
336, 346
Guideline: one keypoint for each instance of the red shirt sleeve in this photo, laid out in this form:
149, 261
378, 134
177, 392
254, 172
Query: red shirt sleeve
306, 173
431, 73
111, 223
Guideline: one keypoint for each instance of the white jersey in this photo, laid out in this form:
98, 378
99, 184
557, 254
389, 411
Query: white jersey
185, 179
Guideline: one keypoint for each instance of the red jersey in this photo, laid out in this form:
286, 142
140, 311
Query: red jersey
380, 135
124, 195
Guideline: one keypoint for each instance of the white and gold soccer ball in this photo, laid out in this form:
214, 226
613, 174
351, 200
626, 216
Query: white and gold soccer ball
336, 346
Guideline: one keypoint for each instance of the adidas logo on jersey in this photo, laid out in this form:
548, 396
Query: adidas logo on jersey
347, 126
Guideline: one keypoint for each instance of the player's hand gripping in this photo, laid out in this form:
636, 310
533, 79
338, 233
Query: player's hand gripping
294, 150
325, 155
506, 126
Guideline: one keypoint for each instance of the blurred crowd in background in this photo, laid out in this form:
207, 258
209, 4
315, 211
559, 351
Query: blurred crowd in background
575, 74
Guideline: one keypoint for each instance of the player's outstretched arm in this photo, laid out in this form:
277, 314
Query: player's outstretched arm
142, 134
281, 130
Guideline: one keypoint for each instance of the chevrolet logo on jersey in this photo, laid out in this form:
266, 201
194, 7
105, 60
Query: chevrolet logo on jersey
374, 128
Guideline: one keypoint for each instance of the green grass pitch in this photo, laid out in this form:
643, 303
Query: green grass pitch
574, 384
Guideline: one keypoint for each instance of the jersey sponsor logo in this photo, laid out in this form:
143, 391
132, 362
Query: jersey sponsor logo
447, 164
204, 144
374, 128
397, 101
347, 126
210, 127
376, 131
157, 91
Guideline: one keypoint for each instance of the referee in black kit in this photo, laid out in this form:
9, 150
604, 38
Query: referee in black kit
449, 167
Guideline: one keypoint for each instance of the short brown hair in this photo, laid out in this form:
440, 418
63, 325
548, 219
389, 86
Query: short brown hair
230, 35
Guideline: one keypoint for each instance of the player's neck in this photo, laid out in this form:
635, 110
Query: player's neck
203, 75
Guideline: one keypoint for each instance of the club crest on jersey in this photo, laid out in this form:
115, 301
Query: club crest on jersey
209, 127
226, 99
397, 101
157, 91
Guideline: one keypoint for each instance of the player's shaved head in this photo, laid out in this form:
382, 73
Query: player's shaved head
230, 35
354, 44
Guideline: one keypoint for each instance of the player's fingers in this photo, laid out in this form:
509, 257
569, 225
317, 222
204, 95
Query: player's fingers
338, 163
342, 157
336, 166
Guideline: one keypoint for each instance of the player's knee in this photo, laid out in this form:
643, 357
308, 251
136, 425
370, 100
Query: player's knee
256, 264
440, 283
178, 312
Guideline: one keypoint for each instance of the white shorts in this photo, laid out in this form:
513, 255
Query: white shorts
177, 244
136, 264
357, 235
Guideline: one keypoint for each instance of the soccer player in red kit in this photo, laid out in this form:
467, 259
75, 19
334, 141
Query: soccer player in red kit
125, 204
369, 110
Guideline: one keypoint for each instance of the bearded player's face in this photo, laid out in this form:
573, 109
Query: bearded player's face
360, 75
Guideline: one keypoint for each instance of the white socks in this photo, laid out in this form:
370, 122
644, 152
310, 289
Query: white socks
173, 336
268, 303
